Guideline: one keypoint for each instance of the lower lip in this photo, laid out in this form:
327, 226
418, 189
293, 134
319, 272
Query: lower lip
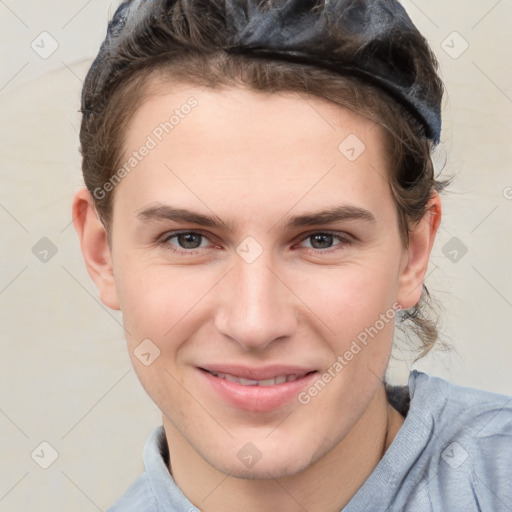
257, 398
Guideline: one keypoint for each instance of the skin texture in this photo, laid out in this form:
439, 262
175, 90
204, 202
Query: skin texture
257, 159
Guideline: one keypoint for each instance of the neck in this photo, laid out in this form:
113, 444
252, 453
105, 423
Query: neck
325, 486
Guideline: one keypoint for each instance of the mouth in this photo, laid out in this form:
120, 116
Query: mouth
257, 390
280, 379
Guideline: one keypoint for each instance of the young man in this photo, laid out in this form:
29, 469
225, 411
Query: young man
255, 244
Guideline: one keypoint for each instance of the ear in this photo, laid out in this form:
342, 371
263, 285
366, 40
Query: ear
95, 248
416, 258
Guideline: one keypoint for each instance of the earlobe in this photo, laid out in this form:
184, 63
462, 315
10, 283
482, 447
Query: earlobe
95, 248
416, 258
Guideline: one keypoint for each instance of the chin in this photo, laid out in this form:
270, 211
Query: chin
268, 469
264, 460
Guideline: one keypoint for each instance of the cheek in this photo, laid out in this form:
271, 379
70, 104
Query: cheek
157, 306
351, 298
156, 299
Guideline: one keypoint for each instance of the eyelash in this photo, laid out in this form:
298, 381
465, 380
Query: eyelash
342, 238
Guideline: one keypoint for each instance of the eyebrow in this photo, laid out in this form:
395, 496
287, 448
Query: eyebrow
326, 216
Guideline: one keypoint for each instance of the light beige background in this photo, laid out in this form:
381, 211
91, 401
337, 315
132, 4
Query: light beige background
65, 374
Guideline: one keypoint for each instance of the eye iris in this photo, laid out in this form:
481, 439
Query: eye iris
186, 240
327, 238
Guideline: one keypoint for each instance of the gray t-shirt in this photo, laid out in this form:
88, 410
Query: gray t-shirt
453, 453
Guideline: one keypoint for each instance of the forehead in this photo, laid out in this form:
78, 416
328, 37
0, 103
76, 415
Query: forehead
242, 143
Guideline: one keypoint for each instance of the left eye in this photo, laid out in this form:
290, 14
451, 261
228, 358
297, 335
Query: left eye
190, 241
326, 238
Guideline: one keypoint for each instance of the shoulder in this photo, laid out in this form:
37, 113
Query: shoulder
459, 410
470, 445
137, 498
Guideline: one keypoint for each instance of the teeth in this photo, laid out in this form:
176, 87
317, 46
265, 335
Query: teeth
245, 382
250, 382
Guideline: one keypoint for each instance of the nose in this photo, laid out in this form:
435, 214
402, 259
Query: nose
257, 306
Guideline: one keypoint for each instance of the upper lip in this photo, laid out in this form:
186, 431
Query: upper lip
262, 373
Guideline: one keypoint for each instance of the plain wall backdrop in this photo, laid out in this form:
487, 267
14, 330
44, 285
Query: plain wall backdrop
70, 399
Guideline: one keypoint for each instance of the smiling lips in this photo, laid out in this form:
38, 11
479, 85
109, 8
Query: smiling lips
264, 382
257, 389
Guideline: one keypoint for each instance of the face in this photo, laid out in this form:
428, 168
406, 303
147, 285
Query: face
259, 325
